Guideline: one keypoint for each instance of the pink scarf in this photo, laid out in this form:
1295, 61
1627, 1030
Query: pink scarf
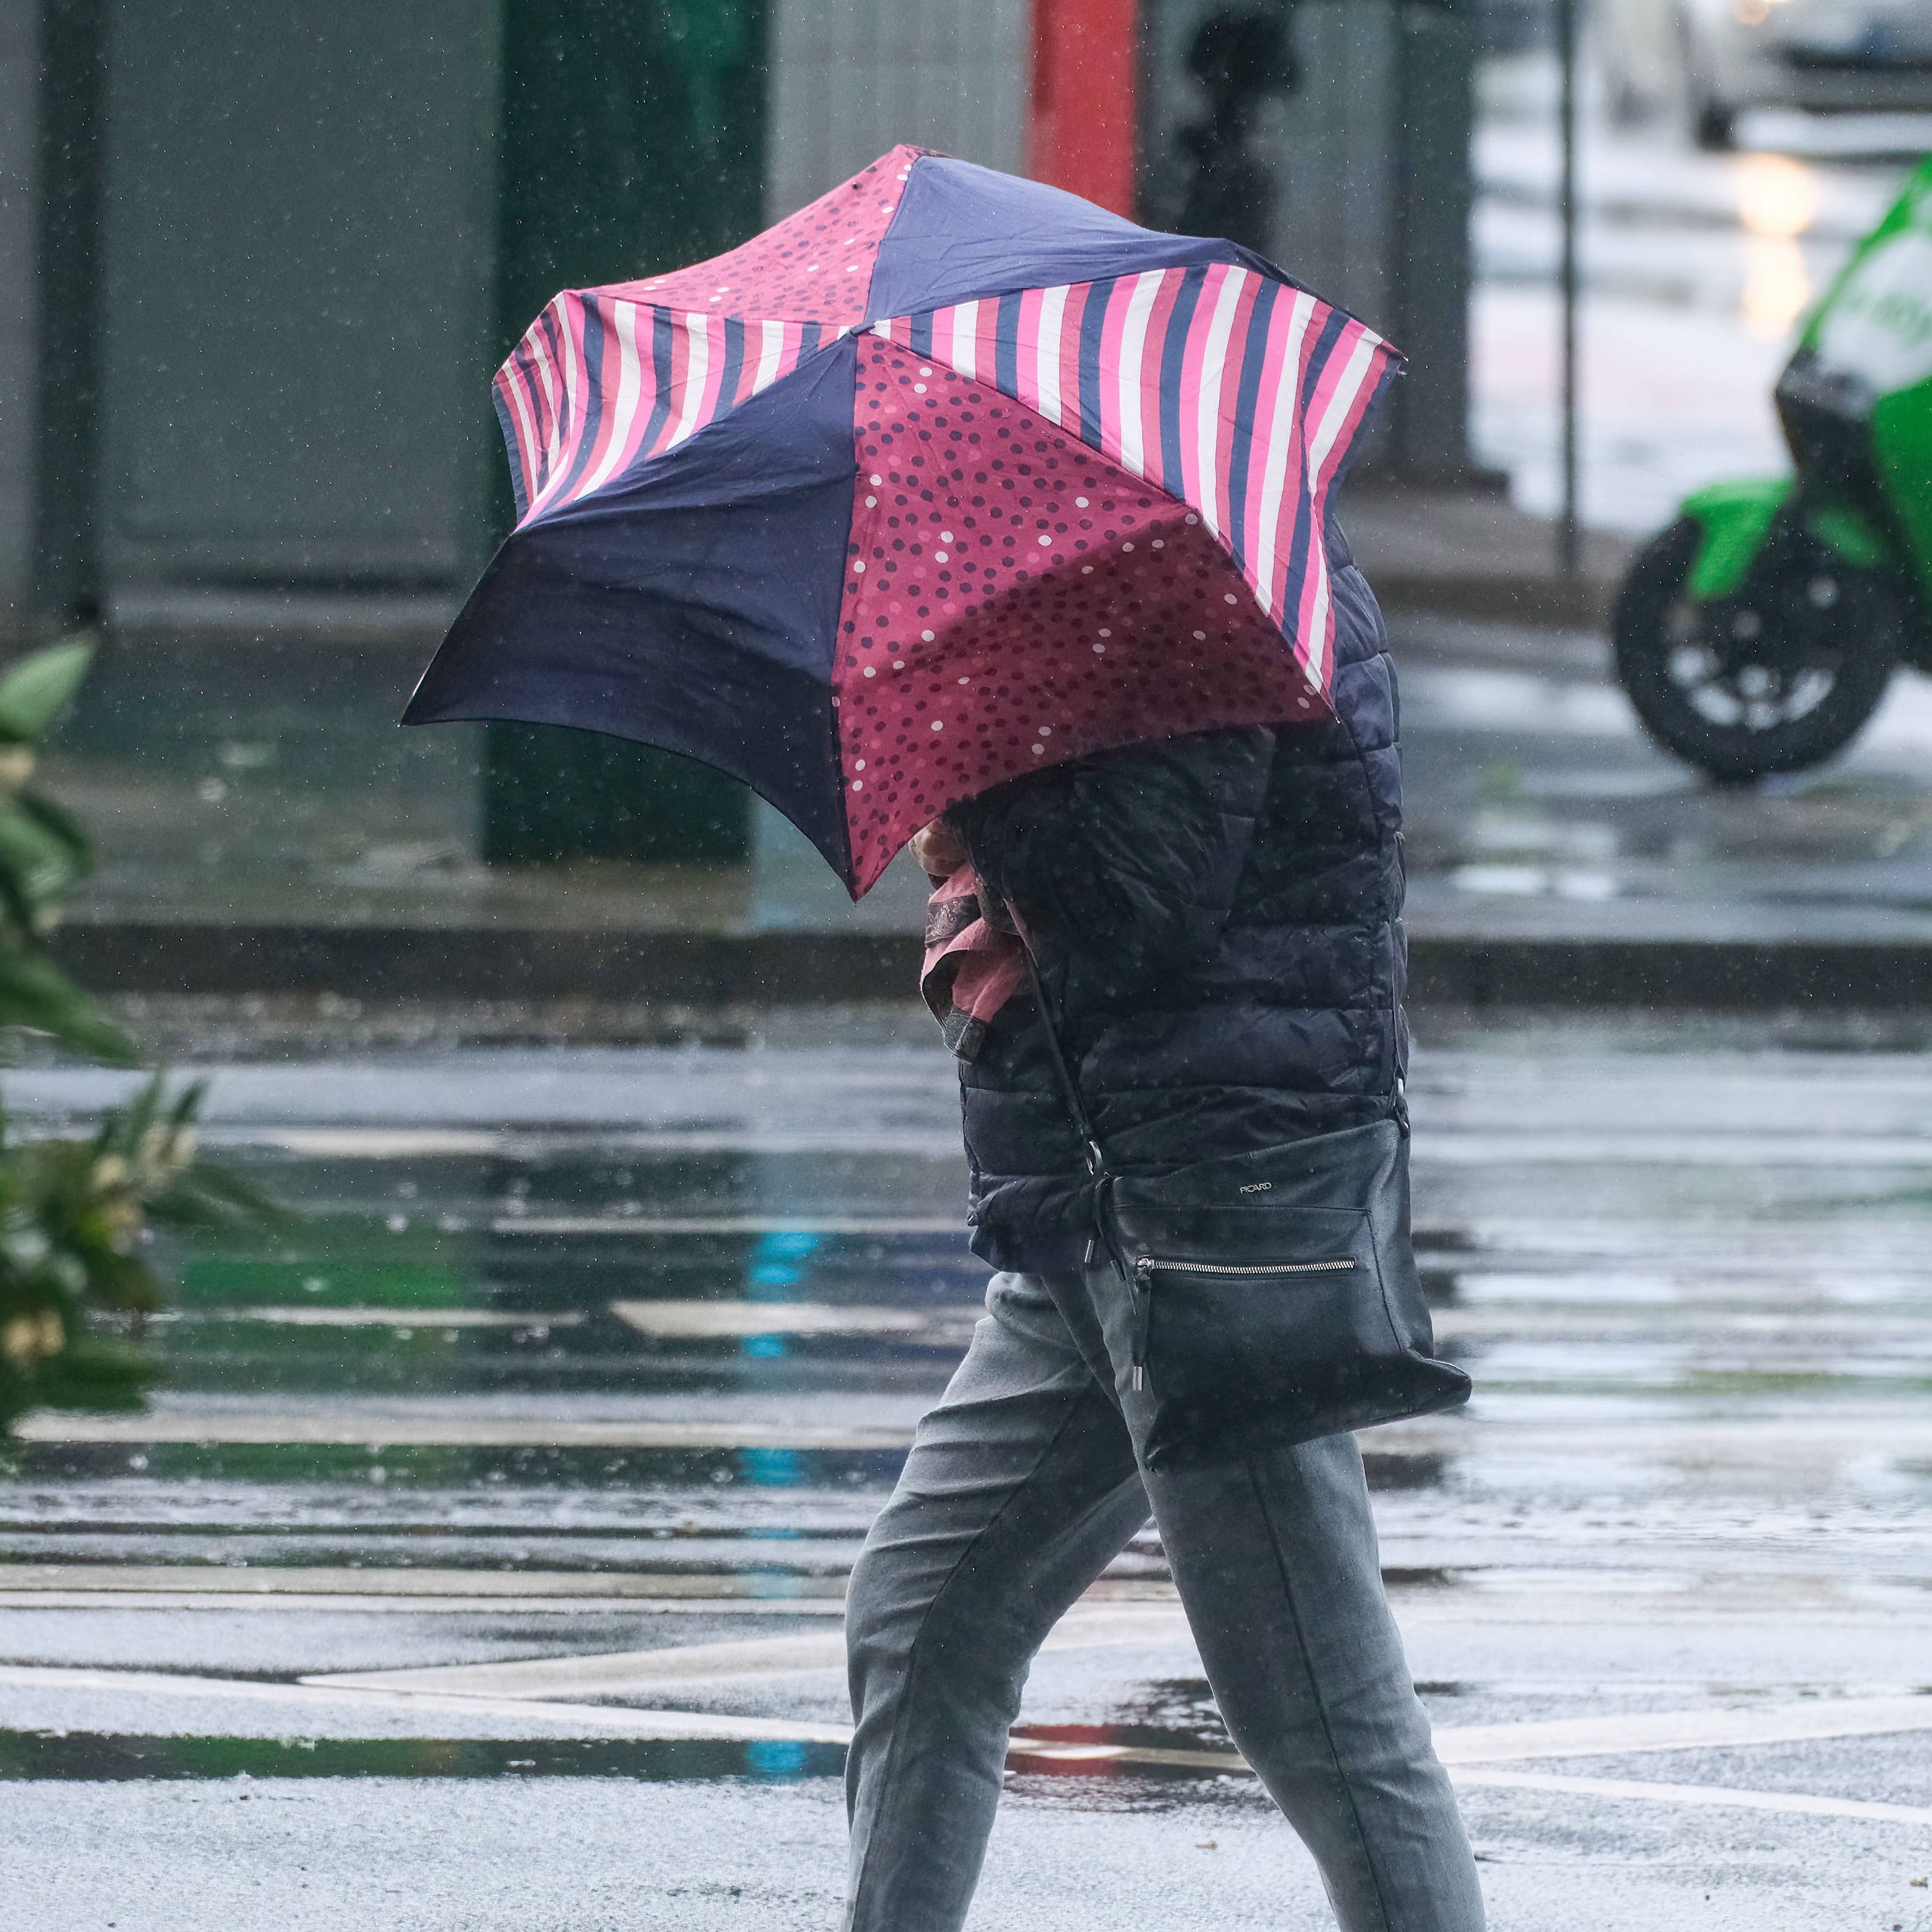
972, 968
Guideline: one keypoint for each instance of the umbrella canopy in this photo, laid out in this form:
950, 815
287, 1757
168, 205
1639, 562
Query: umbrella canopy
948, 477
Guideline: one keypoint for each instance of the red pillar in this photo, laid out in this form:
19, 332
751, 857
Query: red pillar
1086, 73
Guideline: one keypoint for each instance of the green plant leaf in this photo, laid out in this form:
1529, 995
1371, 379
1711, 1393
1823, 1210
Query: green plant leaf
76, 1215
123, 1132
17, 905
61, 828
34, 993
95, 1371
208, 1196
37, 690
40, 868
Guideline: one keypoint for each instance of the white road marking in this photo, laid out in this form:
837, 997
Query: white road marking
1228, 1763
434, 1587
1506, 1319
544, 1719
700, 1318
102, 1585
1451, 1147
611, 1674
407, 1143
1438, 1143
627, 1673
729, 1224
439, 1606
1714, 1730
392, 1318
1801, 1802
371, 1143
379, 1431
520, 1716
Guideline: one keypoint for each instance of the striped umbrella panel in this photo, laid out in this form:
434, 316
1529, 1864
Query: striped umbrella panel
606, 378
599, 384
1236, 395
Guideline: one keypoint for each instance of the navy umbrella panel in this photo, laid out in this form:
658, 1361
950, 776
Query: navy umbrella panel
949, 477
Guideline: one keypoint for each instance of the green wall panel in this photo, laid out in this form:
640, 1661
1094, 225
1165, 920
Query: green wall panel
633, 141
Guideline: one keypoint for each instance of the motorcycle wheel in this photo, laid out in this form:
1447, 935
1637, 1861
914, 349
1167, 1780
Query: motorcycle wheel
1775, 680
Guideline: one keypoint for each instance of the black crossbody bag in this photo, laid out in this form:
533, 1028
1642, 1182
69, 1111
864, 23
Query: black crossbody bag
1261, 1299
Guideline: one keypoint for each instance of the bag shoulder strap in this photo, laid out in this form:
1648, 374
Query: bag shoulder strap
1069, 1088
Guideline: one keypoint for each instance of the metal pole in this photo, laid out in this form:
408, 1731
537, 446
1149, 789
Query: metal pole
1569, 533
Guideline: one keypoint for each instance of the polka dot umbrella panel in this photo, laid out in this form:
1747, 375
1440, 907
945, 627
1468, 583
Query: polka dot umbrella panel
948, 478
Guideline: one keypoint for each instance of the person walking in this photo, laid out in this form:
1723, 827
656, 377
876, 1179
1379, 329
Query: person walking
1216, 971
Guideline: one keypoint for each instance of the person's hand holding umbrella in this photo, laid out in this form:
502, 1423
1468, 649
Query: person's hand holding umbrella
937, 850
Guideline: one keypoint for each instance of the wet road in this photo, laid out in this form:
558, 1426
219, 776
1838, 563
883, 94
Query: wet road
1535, 807
1696, 269
537, 1457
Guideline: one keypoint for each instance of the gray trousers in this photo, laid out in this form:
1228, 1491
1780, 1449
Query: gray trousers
1022, 1485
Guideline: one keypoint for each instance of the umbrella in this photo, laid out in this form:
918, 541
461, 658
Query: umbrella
948, 477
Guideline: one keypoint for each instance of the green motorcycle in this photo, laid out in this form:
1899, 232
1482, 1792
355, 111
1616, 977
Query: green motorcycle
1758, 633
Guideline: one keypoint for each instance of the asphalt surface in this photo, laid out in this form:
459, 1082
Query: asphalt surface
1536, 808
480, 1566
266, 787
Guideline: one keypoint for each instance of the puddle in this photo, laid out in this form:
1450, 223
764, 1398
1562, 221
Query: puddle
497, 1275
96, 1758
1171, 1714
470, 1477
436, 1467
1774, 1308
1177, 1714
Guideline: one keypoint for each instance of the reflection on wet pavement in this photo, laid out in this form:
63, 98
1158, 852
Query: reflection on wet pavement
582, 1430
95, 1756
1597, 1247
1534, 804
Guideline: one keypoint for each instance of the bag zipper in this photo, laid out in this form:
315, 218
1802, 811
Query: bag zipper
1147, 1266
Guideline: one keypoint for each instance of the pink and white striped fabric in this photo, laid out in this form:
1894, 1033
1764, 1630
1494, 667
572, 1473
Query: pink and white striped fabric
599, 383
606, 378
1235, 393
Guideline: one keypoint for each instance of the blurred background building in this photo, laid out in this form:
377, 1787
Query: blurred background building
256, 256
257, 262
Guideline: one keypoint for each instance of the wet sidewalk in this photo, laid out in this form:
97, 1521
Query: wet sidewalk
489, 1540
266, 828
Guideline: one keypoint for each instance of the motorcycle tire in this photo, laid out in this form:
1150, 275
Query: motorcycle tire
1775, 679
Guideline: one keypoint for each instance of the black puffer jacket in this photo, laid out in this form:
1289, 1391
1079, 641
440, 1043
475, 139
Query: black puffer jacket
1218, 923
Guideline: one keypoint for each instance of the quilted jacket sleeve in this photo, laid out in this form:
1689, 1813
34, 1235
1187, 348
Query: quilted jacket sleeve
1124, 865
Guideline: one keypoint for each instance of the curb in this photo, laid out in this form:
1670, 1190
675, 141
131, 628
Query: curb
468, 962
1719, 976
793, 969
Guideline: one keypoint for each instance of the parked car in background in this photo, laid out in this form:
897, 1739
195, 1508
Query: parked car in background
1706, 61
